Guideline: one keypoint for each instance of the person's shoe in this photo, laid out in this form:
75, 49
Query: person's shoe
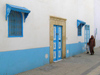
87, 52
91, 54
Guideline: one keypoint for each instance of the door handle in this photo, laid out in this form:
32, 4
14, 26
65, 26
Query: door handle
57, 33
59, 40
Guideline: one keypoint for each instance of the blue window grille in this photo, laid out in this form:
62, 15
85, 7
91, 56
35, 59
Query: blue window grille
79, 30
15, 19
15, 24
87, 27
87, 33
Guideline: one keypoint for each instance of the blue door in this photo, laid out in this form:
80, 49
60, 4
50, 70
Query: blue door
87, 33
57, 43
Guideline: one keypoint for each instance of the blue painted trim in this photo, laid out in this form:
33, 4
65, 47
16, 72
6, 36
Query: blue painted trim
80, 31
84, 32
57, 43
16, 8
61, 42
75, 49
54, 41
8, 26
21, 25
79, 22
59, 58
14, 62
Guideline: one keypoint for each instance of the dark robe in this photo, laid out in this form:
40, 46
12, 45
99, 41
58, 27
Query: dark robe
92, 45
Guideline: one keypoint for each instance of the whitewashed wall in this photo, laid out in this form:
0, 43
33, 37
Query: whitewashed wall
97, 21
36, 28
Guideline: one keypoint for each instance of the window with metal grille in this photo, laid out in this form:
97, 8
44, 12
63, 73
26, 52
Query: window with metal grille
86, 27
79, 30
15, 24
87, 33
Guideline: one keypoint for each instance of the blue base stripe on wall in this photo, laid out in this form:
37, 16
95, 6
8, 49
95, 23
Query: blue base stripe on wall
13, 62
74, 49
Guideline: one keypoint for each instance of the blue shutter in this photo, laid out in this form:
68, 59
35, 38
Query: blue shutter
87, 33
15, 24
79, 30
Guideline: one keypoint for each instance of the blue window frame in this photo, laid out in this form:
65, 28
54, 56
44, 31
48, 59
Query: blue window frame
15, 24
79, 30
87, 33
15, 19
80, 24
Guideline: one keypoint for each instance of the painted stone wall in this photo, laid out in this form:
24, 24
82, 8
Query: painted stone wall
36, 28
25, 53
97, 22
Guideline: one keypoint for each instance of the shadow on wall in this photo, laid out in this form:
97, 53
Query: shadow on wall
74, 49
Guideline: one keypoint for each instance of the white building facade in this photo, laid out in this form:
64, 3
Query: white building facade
97, 22
27, 32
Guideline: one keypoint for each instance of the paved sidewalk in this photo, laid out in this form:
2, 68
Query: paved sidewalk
82, 64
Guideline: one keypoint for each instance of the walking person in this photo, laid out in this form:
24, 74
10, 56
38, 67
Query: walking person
92, 44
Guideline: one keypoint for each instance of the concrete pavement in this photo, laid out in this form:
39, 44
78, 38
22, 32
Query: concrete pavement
82, 64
